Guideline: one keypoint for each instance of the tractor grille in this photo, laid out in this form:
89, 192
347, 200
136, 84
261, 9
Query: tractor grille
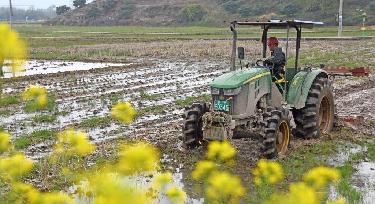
218, 97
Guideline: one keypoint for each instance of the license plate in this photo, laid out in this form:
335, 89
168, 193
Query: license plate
221, 105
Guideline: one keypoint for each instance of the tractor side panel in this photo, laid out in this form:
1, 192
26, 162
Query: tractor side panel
300, 86
245, 103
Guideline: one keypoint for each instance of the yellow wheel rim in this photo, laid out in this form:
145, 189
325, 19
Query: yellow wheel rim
325, 116
283, 137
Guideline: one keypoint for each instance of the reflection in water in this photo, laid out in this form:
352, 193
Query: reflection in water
34, 67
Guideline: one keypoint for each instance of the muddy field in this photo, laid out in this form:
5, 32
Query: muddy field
159, 89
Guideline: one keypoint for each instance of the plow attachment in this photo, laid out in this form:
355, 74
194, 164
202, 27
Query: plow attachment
345, 71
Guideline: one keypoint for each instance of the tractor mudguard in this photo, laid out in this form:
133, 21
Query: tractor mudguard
300, 86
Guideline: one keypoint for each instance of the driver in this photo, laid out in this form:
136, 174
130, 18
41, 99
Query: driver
277, 58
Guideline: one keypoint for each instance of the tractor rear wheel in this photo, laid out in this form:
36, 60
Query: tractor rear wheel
276, 132
192, 125
317, 117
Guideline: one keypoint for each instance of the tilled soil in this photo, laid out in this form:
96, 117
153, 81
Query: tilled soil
87, 94
356, 101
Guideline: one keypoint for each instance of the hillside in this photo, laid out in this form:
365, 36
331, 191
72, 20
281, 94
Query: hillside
211, 12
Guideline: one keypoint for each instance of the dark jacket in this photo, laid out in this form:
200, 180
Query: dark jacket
277, 60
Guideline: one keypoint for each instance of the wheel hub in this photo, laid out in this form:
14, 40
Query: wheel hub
283, 137
324, 115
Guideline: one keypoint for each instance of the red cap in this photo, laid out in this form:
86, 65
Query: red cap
272, 41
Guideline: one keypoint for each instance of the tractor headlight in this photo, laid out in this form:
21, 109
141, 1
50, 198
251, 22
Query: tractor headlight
232, 92
215, 91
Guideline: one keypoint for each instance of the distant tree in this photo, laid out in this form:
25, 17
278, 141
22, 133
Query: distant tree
313, 7
231, 6
93, 12
62, 9
109, 4
127, 9
290, 10
371, 7
79, 3
192, 13
246, 11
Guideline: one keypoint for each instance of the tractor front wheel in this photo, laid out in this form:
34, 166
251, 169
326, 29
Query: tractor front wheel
276, 132
192, 125
316, 118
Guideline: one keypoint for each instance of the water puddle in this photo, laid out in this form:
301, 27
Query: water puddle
34, 67
362, 180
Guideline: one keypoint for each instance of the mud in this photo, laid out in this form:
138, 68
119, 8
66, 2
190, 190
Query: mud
354, 99
90, 93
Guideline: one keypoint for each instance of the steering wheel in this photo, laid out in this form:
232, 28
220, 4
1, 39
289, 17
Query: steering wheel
258, 61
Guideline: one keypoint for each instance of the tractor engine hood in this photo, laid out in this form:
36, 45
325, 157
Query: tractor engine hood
238, 78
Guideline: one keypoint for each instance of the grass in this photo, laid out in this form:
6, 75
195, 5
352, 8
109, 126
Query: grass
44, 118
300, 160
51, 174
371, 150
191, 99
33, 138
157, 109
32, 106
120, 42
295, 164
95, 122
38, 31
150, 97
344, 187
9, 100
6, 112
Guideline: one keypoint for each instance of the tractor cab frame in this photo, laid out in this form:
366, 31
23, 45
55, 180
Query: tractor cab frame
290, 71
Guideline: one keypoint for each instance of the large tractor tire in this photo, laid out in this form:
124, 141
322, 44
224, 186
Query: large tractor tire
276, 132
317, 117
192, 125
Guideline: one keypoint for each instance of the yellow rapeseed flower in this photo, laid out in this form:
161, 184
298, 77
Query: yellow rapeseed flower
301, 193
138, 158
224, 188
108, 188
298, 193
124, 112
175, 195
26, 192
321, 176
267, 172
203, 169
37, 93
12, 48
162, 180
54, 198
16, 165
73, 143
4, 142
220, 150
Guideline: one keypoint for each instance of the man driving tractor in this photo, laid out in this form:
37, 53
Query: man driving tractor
277, 58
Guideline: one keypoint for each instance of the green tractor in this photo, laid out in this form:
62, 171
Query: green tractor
249, 101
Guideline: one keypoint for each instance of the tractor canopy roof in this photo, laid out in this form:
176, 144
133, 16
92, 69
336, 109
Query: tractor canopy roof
279, 24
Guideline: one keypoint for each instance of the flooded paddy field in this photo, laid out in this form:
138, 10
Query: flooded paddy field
160, 77
159, 89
